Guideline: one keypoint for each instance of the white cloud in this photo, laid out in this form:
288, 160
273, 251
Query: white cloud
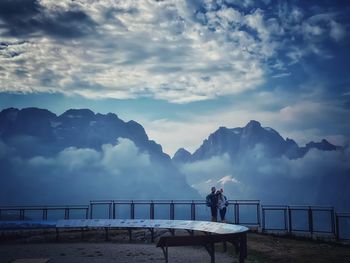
301, 119
308, 180
228, 179
114, 159
337, 31
142, 48
282, 75
166, 50
124, 155
82, 174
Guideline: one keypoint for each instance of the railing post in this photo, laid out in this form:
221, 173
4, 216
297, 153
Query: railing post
258, 213
113, 209
310, 220
263, 219
110, 210
86, 213
66, 213
193, 211
45, 214
132, 210
0, 214
172, 210
290, 226
91, 206
151, 210
337, 237
285, 219
332, 221
237, 213
21, 214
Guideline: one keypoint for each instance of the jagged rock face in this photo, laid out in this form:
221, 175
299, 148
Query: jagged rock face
222, 141
56, 155
181, 156
238, 141
79, 128
324, 145
29, 121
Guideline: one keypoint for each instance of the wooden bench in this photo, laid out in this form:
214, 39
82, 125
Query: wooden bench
239, 240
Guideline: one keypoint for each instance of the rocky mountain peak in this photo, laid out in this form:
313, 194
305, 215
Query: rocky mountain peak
182, 155
253, 125
78, 113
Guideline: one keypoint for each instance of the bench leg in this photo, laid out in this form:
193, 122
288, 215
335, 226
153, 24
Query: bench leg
130, 234
165, 252
57, 234
82, 233
152, 234
242, 248
211, 250
107, 236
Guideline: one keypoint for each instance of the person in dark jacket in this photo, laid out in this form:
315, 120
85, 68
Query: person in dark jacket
212, 202
222, 204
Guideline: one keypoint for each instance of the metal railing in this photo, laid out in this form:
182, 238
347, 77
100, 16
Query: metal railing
339, 217
172, 204
308, 213
286, 217
21, 212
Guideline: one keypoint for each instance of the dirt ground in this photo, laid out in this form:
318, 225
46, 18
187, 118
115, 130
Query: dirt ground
268, 248
91, 246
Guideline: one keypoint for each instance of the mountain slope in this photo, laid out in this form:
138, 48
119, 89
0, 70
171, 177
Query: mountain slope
80, 155
255, 162
239, 141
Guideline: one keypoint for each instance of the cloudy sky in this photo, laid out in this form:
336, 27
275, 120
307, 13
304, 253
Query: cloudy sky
183, 68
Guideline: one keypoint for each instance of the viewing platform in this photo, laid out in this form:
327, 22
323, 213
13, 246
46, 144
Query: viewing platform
186, 222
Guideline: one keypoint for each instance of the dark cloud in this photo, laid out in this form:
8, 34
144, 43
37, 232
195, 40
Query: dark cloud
27, 17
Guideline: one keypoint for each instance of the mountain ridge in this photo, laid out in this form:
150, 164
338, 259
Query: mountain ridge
75, 127
80, 155
239, 140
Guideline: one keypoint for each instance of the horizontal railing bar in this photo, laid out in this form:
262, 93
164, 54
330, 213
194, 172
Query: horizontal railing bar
274, 206
300, 206
169, 200
322, 210
323, 231
274, 209
310, 206
41, 209
342, 214
277, 229
48, 206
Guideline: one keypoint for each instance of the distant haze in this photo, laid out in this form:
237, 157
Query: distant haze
80, 155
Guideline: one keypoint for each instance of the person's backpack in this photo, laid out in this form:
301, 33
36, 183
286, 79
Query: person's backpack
208, 200
226, 202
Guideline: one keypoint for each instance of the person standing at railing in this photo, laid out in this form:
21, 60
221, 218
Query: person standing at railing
212, 202
222, 204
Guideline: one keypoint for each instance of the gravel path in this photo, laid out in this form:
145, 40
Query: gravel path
106, 252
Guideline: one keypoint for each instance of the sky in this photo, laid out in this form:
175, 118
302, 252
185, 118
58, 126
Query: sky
183, 68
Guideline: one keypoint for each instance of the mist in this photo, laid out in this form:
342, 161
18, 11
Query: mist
76, 175
318, 178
